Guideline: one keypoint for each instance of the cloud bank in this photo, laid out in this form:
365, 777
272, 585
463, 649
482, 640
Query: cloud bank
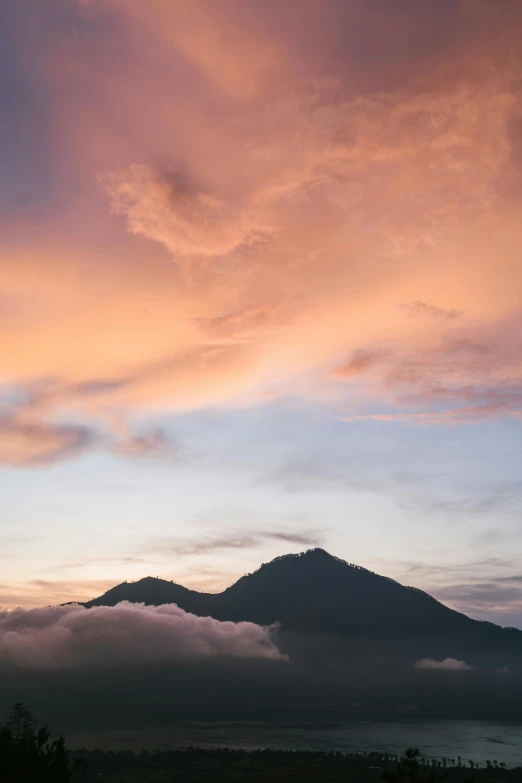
72, 637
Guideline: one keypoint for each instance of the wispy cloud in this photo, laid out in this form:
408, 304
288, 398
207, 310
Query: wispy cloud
463, 345
425, 418
498, 597
486, 589
26, 443
126, 560
154, 443
434, 311
358, 363
240, 540
234, 324
477, 406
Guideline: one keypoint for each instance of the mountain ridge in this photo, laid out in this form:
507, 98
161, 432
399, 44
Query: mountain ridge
316, 592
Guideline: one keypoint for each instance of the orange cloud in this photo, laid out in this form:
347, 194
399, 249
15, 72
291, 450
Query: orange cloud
24, 443
359, 362
170, 207
256, 225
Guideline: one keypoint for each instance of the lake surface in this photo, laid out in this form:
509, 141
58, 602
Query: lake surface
476, 740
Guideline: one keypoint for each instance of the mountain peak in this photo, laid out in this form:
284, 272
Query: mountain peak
317, 552
316, 557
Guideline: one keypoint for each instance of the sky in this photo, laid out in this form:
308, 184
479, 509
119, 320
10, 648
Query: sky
260, 291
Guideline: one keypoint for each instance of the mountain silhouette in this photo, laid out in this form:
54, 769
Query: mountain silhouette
315, 592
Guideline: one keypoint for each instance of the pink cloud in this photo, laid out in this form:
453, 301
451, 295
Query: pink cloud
125, 634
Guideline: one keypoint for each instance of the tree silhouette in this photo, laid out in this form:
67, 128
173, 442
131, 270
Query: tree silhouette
26, 753
410, 770
20, 722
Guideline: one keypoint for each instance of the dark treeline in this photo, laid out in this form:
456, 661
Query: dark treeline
224, 764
